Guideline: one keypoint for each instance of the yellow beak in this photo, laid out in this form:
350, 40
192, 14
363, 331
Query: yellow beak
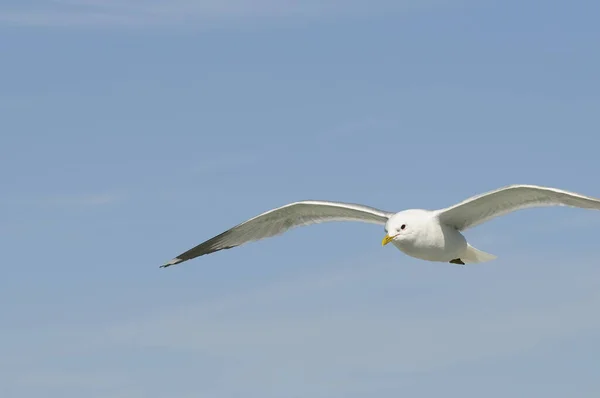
387, 239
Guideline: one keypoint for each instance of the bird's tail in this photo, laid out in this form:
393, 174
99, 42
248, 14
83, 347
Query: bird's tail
472, 256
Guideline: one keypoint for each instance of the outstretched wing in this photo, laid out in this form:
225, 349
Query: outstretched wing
481, 208
281, 219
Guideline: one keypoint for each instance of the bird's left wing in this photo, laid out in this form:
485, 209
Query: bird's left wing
481, 208
281, 219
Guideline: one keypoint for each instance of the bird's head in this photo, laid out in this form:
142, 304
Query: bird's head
402, 226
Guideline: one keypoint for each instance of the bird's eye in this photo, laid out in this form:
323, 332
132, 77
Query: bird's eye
403, 226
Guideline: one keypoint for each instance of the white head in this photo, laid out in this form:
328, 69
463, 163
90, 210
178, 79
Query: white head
404, 226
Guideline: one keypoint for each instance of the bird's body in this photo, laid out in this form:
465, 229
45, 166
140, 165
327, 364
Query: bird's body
426, 238
431, 235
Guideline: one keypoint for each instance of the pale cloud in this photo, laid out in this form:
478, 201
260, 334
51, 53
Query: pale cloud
67, 200
329, 330
83, 200
139, 13
357, 338
70, 379
234, 161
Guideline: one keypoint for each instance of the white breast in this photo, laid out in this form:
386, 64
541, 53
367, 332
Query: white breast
433, 241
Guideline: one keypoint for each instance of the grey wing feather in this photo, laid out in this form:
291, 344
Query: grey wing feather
277, 221
481, 208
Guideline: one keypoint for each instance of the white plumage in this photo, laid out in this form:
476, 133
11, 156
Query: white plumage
433, 235
484, 207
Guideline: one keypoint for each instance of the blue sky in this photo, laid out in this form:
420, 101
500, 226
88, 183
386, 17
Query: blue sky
132, 131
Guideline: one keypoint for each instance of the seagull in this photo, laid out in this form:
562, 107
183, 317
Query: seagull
431, 235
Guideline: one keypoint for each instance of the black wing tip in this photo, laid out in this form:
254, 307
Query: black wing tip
188, 256
172, 262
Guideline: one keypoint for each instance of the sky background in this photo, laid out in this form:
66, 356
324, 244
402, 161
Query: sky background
133, 130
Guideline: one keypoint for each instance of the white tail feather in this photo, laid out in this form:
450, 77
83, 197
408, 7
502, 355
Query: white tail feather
473, 256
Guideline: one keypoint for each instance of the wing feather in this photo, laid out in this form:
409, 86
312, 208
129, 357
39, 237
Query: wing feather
484, 207
277, 221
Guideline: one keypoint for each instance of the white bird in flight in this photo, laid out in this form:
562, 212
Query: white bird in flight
432, 235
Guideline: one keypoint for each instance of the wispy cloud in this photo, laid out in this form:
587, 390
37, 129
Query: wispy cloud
159, 12
360, 338
229, 162
67, 200
83, 200
331, 330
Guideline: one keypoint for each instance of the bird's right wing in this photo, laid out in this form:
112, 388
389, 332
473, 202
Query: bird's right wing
480, 208
281, 219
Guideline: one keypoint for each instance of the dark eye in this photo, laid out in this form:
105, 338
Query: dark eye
403, 226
